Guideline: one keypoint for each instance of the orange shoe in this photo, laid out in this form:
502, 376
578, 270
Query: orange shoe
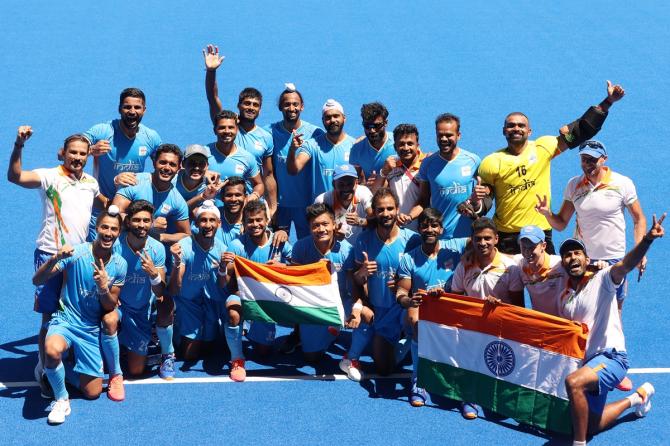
237, 371
115, 390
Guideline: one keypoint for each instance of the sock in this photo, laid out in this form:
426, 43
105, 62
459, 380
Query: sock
578, 443
165, 338
415, 359
360, 338
635, 399
56, 378
234, 340
110, 353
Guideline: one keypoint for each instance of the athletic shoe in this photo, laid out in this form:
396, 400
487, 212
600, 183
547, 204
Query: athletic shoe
166, 370
626, 385
59, 410
352, 368
45, 388
418, 396
115, 391
237, 371
469, 411
291, 342
646, 391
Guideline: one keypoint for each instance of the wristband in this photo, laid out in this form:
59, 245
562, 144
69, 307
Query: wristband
156, 280
357, 306
221, 273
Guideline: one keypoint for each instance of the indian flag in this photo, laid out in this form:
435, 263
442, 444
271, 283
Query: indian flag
287, 295
509, 359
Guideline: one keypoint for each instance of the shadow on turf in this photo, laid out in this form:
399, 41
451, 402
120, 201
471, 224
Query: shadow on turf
19, 368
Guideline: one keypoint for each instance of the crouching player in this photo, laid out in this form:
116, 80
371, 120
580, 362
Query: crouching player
426, 268
93, 277
323, 245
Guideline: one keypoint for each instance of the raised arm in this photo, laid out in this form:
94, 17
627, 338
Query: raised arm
15, 173
639, 226
296, 162
49, 268
557, 221
212, 62
633, 258
178, 268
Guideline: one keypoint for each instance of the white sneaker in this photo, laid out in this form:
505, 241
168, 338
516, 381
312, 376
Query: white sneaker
646, 391
352, 368
59, 410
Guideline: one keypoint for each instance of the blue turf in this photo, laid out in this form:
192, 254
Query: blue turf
65, 63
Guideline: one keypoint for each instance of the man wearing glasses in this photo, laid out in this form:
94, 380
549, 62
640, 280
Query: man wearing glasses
370, 153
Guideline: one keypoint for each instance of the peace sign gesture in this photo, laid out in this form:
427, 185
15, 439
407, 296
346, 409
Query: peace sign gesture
147, 264
100, 275
656, 230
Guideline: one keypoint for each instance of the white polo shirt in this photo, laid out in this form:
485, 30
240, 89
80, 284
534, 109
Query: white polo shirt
498, 279
596, 306
66, 208
361, 202
600, 213
544, 285
406, 186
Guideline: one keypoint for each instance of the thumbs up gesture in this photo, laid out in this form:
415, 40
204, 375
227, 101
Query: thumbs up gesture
368, 267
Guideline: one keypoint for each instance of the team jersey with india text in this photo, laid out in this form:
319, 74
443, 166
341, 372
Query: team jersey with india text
125, 155
257, 141
79, 301
596, 306
341, 256
432, 272
136, 293
201, 267
184, 191
387, 256
168, 204
406, 185
228, 232
369, 159
66, 208
498, 279
600, 213
517, 179
451, 183
544, 285
292, 190
361, 202
245, 247
324, 157
240, 163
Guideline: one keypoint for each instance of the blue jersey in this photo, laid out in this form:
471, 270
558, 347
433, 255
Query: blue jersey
168, 204
324, 157
258, 142
245, 247
387, 257
451, 183
186, 193
79, 300
289, 185
125, 155
367, 158
238, 164
341, 255
429, 273
136, 293
200, 268
228, 232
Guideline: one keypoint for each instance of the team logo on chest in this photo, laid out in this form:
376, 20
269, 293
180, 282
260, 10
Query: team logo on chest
143, 150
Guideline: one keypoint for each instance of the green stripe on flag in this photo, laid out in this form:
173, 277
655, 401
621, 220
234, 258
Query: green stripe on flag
282, 313
524, 405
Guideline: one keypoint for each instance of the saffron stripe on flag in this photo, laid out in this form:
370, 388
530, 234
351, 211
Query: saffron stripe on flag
299, 275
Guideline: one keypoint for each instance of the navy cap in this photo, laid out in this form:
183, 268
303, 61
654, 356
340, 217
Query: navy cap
571, 244
593, 148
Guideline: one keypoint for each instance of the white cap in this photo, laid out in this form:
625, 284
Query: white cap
332, 104
207, 206
113, 210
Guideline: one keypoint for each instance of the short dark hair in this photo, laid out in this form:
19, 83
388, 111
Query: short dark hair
168, 148
373, 110
448, 117
484, 223
430, 215
225, 114
253, 207
516, 113
287, 91
76, 137
105, 213
384, 192
132, 93
250, 92
405, 129
318, 209
138, 206
234, 181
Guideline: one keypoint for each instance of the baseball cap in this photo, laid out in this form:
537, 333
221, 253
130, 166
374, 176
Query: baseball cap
572, 244
196, 149
532, 233
593, 148
345, 170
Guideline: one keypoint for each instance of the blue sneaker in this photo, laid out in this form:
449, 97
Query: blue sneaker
418, 396
166, 370
469, 411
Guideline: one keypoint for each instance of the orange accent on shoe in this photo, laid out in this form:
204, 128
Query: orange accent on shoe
626, 385
237, 371
355, 364
115, 390
643, 393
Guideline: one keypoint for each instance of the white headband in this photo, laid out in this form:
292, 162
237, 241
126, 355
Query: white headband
207, 206
332, 104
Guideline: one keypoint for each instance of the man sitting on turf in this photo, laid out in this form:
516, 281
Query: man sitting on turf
93, 277
426, 268
591, 299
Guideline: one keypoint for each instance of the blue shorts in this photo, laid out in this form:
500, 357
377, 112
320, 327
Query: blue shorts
190, 317
47, 296
611, 367
315, 338
297, 216
622, 290
388, 322
262, 332
215, 315
135, 328
86, 344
